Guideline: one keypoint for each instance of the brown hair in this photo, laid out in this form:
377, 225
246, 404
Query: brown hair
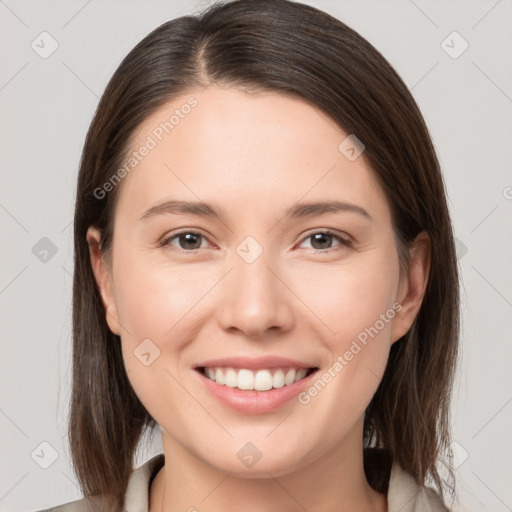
291, 48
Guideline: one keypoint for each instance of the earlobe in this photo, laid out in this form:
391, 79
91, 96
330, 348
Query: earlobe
413, 286
103, 278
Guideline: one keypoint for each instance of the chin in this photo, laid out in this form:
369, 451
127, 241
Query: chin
250, 462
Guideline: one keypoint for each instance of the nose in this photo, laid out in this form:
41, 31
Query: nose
255, 299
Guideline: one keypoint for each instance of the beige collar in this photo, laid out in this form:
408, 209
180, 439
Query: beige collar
404, 494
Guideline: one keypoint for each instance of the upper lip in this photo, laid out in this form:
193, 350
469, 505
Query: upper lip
255, 363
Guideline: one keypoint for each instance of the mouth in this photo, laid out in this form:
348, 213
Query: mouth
263, 379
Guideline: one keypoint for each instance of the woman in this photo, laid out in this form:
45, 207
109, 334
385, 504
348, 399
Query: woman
265, 269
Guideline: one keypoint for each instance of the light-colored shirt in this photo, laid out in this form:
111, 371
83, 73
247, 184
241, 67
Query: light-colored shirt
404, 494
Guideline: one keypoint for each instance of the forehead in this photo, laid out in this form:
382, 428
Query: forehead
249, 151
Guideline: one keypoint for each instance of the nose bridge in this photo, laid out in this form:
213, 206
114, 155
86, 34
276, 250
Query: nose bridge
254, 299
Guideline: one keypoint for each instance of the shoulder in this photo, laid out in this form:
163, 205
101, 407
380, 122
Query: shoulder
82, 505
403, 492
405, 495
136, 496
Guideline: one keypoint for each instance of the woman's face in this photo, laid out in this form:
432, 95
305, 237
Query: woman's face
254, 282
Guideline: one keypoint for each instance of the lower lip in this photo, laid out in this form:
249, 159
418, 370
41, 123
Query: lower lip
252, 401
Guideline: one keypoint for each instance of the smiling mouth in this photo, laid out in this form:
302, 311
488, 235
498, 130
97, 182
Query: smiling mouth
258, 380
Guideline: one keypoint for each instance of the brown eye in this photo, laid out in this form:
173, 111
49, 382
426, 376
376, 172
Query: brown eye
187, 240
323, 240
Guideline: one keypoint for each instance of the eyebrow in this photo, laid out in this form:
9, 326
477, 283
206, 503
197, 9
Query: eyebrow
202, 209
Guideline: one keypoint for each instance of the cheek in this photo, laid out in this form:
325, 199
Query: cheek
155, 305
157, 300
348, 298
354, 307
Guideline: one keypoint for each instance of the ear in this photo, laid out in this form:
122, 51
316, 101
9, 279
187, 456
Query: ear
103, 275
412, 286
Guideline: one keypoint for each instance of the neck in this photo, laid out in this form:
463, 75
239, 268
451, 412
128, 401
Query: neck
333, 482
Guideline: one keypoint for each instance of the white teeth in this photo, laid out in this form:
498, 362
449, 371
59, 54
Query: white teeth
219, 376
290, 377
231, 379
278, 379
300, 374
263, 380
260, 380
245, 379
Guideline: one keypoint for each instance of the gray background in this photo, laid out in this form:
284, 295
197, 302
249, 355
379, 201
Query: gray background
47, 105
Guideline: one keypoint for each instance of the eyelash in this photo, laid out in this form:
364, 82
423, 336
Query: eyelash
343, 241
